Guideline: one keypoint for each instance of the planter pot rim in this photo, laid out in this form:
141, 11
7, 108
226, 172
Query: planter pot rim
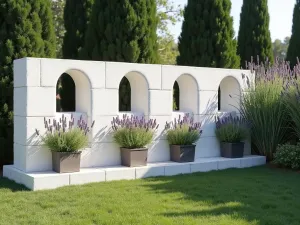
134, 149
184, 145
232, 142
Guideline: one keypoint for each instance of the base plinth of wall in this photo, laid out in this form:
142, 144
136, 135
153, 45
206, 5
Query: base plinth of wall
52, 180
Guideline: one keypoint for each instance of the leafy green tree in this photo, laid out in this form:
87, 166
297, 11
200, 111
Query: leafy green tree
168, 50
207, 37
254, 37
26, 31
280, 48
294, 47
168, 13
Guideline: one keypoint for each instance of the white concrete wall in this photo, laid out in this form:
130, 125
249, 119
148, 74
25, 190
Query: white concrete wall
97, 97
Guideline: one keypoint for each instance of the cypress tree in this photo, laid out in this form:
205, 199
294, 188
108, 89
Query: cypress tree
207, 37
294, 46
76, 19
254, 37
26, 31
122, 31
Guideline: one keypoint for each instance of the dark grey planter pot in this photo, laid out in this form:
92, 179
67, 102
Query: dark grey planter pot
134, 157
66, 162
232, 150
182, 153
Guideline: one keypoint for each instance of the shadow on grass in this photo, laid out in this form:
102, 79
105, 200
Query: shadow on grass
6, 184
259, 195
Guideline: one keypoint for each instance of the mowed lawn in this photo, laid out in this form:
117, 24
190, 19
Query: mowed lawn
260, 196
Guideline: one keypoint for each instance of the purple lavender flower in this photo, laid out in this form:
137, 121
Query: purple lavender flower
133, 122
62, 125
185, 121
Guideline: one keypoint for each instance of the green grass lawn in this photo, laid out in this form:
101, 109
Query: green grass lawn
239, 196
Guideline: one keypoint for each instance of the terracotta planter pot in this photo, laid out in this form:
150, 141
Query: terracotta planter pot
134, 157
182, 153
232, 150
66, 162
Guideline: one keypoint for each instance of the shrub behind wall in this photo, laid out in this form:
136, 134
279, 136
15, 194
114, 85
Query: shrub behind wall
26, 31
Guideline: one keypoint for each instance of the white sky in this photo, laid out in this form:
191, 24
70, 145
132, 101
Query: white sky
281, 16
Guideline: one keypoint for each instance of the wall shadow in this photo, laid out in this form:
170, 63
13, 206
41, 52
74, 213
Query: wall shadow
258, 195
6, 184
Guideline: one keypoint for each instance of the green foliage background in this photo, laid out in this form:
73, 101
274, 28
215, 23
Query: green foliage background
26, 30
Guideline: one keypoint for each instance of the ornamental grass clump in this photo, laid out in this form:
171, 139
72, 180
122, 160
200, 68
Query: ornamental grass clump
291, 97
232, 129
263, 105
132, 132
65, 136
183, 131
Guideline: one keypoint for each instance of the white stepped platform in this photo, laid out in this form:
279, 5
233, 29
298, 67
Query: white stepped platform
52, 180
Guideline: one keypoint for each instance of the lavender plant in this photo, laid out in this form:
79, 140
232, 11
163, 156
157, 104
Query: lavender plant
63, 136
183, 131
232, 129
264, 107
132, 132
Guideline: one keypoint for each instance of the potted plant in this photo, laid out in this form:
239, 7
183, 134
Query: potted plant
182, 134
133, 135
231, 131
65, 140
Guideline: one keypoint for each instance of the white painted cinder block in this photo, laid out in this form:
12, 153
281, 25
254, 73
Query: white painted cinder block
120, 173
105, 154
27, 72
204, 166
24, 130
160, 133
32, 158
171, 73
178, 168
105, 102
86, 176
102, 130
164, 106
229, 163
116, 71
208, 124
52, 69
49, 180
144, 172
258, 160
246, 162
34, 101
207, 147
159, 151
208, 102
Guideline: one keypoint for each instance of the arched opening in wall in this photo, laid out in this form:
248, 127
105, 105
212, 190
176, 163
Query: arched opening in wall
229, 95
134, 93
176, 94
124, 95
185, 94
73, 92
65, 94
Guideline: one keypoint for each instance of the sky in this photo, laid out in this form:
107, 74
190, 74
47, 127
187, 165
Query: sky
281, 16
